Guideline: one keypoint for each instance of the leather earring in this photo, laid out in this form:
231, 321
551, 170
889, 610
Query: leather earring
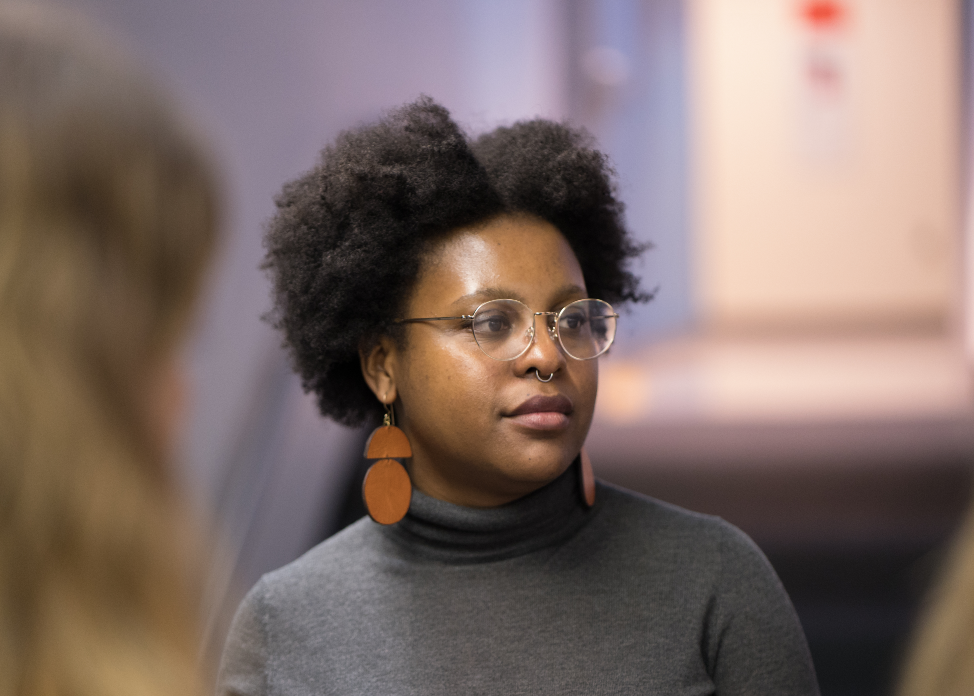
387, 489
586, 478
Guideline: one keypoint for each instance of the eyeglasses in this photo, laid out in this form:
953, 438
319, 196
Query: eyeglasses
504, 329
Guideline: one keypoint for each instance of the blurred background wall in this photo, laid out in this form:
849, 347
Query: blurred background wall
820, 396
802, 168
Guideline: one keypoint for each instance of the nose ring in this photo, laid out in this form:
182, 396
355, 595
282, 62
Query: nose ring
537, 374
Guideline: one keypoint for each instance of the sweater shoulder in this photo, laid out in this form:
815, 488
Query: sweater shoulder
626, 505
333, 562
646, 520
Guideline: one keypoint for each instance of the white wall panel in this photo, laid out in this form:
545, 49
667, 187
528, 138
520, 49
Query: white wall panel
826, 162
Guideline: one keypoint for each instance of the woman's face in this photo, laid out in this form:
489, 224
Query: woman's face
477, 434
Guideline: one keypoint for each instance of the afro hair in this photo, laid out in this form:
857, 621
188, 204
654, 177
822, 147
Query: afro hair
346, 244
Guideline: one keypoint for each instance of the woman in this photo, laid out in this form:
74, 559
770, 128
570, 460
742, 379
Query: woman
107, 220
450, 284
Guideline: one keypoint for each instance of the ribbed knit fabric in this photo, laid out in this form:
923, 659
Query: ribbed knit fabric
541, 596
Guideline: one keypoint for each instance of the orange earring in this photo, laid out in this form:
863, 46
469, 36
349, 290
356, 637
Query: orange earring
387, 489
586, 478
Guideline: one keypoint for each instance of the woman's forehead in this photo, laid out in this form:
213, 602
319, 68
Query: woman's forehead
520, 257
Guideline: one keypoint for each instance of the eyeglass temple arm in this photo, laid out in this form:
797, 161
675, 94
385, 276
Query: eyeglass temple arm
407, 321
470, 316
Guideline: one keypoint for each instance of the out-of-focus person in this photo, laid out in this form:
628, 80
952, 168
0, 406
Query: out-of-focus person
108, 216
941, 658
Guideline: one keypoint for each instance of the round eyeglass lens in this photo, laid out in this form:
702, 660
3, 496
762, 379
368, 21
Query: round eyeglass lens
587, 328
503, 328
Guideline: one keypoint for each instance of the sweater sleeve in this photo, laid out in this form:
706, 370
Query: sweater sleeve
753, 641
243, 667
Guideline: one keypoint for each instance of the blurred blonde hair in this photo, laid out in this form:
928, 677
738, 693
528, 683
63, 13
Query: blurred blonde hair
941, 660
107, 220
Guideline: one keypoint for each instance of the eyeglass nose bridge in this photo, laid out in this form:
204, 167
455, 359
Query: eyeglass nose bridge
551, 325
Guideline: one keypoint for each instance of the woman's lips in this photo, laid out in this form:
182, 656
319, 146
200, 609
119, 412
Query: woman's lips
542, 420
543, 412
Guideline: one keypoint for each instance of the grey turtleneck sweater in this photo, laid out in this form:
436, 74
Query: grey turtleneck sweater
541, 596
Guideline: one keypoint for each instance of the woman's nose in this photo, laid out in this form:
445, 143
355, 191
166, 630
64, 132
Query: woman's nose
545, 353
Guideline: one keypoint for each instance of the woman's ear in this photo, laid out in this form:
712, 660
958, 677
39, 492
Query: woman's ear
379, 368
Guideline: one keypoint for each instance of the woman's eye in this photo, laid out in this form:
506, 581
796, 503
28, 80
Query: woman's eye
493, 323
573, 322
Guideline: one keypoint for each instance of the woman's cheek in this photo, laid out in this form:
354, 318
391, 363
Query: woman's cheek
475, 394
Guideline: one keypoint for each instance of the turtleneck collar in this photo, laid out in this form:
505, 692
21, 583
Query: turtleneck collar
451, 533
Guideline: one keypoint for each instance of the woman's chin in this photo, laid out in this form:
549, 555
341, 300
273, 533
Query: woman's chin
538, 471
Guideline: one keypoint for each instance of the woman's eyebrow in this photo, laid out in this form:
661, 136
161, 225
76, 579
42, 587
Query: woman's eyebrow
485, 294
571, 291
566, 292
566, 295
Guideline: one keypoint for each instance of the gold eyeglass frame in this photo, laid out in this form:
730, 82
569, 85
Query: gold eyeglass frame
552, 327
